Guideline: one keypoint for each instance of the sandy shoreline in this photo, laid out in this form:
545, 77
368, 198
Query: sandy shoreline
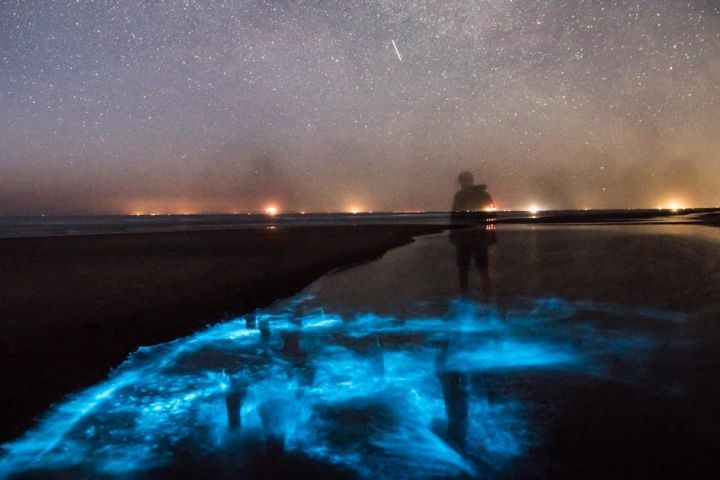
74, 307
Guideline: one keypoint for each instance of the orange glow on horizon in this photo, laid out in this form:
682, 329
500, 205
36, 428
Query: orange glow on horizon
271, 210
533, 208
157, 206
674, 204
355, 209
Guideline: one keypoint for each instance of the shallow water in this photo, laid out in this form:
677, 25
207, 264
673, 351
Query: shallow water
575, 352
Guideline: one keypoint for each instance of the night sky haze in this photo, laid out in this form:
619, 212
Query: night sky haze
136, 106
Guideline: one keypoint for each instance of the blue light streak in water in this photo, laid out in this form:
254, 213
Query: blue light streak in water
380, 396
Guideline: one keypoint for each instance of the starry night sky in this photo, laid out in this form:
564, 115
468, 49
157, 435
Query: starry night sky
203, 106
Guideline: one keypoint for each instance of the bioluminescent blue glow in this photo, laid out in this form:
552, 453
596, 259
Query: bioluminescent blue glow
377, 395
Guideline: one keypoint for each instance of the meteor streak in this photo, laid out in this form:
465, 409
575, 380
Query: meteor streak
397, 52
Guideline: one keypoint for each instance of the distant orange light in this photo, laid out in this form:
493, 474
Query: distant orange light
355, 209
674, 206
271, 210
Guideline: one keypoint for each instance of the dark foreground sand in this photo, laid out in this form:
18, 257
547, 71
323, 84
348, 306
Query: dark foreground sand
71, 308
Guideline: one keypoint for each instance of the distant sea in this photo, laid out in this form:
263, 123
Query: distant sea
41, 226
35, 226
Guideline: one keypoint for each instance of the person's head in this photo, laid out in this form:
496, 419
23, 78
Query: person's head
466, 179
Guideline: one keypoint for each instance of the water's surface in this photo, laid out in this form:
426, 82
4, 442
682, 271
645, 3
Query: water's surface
34, 226
41, 226
578, 352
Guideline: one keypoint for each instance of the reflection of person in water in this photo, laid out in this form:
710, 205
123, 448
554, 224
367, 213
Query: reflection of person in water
471, 233
455, 397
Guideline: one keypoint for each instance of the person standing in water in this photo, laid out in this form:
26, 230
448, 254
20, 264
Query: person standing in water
471, 206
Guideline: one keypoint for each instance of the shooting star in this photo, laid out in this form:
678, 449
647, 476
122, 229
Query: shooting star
397, 52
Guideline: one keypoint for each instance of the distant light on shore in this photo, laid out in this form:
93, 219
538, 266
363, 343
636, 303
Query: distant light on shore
142, 207
534, 209
355, 209
675, 206
271, 210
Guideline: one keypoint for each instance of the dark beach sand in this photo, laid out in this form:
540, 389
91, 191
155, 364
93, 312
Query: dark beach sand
74, 307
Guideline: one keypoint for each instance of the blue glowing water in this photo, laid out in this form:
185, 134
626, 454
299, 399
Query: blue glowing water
377, 396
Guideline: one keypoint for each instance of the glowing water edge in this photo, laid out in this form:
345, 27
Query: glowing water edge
420, 383
362, 393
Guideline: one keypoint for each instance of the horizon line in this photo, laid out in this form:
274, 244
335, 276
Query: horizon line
361, 213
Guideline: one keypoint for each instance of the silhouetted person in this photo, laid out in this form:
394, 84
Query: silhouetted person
471, 198
471, 233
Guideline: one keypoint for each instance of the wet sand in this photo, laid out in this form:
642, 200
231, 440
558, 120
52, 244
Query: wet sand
74, 307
